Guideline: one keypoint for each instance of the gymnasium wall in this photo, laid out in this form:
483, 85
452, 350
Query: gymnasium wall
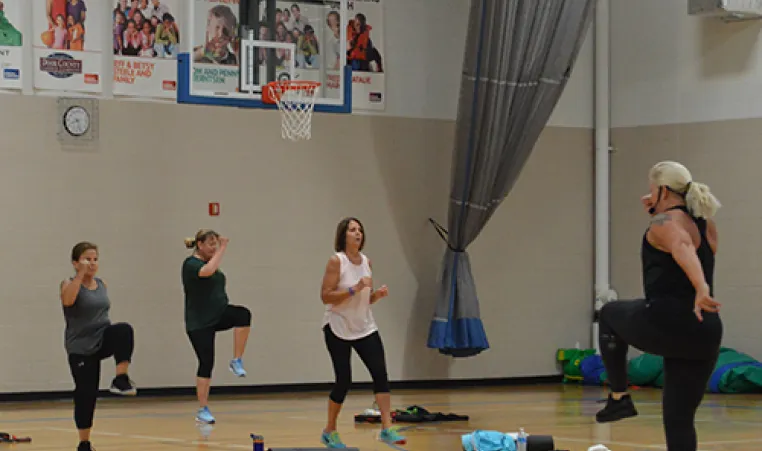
147, 184
687, 88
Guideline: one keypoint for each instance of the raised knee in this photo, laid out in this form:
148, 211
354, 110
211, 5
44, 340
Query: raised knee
613, 312
246, 316
605, 313
125, 328
124, 332
241, 316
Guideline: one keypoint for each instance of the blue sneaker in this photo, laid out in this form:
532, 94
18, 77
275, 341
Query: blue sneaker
332, 440
205, 416
391, 436
236, 367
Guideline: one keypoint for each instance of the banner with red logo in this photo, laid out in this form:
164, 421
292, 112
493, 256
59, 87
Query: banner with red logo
366, 53
316, 31
11, 53
146, 39
67, 39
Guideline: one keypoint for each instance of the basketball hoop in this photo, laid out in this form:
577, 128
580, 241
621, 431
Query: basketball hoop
295, 100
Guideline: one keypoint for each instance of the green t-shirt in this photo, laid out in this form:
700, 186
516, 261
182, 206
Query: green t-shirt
205, 297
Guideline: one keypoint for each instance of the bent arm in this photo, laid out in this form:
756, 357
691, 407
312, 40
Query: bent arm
685, 255
329, 293
213, 264
69, 290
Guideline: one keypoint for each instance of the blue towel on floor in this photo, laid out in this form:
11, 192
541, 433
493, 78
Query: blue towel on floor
488, 441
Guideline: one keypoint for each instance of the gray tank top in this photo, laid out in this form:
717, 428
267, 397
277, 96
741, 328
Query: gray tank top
87, 320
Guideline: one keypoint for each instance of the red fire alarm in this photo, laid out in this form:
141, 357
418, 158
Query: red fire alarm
214, 208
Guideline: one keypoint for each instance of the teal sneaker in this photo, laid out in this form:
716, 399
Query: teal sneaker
392, 437
205, 416
332, 440
236, 367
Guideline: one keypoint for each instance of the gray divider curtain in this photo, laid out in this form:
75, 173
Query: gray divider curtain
518, 58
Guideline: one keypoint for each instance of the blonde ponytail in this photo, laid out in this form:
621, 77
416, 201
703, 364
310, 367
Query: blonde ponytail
698, 198
700, 201
190, 243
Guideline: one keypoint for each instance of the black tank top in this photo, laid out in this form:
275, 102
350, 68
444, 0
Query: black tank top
664, 281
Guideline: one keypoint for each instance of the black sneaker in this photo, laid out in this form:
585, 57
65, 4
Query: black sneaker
616, 410
85, 446
122, 385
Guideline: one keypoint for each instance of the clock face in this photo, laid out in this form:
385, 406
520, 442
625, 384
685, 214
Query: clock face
76, 121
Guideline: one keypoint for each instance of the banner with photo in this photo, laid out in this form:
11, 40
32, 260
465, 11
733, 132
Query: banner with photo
11, 38
315, 30
214, 60
366, 53
316, 57
68, 44
146, 40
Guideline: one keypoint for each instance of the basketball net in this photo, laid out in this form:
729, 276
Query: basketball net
296, 101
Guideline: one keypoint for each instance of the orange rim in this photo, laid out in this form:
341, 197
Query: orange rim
270, 93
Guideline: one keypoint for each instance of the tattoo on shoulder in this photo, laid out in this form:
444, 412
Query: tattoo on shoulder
660, 219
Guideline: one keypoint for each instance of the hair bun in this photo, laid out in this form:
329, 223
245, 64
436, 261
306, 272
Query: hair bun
190, 242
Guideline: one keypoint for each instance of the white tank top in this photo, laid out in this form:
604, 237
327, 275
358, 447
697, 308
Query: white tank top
352, 319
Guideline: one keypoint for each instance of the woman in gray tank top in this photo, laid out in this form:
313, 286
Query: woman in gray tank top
90, 337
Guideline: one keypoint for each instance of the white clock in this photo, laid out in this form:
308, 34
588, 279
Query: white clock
76, 120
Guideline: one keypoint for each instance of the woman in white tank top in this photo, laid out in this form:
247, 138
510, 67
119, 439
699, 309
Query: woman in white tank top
352, 319
348, 323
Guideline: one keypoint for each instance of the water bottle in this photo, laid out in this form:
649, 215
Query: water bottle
258, 441
521, 440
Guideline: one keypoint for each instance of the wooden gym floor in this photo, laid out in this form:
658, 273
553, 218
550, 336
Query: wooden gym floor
725, 422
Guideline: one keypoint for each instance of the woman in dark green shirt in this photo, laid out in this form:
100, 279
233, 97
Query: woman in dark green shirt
208, 311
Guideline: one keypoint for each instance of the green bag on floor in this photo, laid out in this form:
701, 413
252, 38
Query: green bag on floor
645, 369
736, 372
571, 358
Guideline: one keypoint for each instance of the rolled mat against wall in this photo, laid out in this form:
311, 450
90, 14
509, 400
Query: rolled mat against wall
540, 443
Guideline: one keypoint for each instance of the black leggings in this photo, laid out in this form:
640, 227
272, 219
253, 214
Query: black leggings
370, 349
118, 341
689, 348
203, 339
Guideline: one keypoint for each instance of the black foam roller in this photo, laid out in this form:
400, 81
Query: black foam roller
308, 449
540, 443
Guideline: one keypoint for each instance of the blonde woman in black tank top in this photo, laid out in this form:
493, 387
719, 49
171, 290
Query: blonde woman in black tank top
678, 319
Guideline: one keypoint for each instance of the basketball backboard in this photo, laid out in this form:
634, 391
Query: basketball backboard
238, 46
